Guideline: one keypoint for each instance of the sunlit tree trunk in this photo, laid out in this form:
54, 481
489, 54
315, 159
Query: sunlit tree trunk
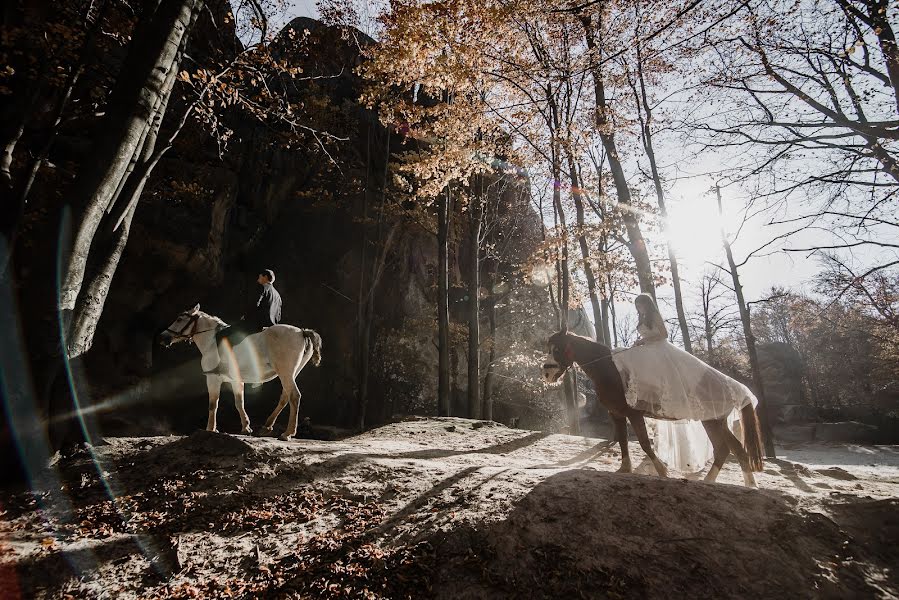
112, 236
762, 408
444, 202
645, 112
487, 400
636, 243
585, 249
475, 219
133, 102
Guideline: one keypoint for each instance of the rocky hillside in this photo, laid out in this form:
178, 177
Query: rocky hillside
446, 508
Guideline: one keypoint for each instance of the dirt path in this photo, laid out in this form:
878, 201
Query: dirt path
447, 508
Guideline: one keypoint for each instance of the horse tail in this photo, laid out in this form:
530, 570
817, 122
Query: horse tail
752, 437
316, 341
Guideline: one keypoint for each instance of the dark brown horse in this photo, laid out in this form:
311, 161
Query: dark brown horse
595, 360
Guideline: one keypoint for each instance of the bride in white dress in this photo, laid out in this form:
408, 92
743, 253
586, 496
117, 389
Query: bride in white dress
664, 380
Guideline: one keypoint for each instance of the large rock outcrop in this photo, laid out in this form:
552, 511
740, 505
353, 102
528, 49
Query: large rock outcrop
210, 221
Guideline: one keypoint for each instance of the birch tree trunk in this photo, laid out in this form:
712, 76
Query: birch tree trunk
111, 238
134, 100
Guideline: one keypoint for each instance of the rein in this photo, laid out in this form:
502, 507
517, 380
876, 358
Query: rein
570, 356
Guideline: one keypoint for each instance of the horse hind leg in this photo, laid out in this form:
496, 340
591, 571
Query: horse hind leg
293, 398
737, 448
715, 431
270, 422
621, 436
639, 426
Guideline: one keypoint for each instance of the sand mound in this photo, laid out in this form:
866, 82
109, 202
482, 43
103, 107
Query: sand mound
583, 533
446, 508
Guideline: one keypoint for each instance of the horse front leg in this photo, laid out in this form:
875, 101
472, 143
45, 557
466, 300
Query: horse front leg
237, 388
621, 436
639, 426
214, 387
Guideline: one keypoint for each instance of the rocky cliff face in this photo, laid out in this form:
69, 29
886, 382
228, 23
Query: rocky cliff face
209, 222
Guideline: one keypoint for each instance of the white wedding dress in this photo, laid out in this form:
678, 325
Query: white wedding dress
663, 380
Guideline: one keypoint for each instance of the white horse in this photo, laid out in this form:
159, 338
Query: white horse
279, 351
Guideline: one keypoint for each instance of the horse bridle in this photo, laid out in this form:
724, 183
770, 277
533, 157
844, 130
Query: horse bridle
192, 323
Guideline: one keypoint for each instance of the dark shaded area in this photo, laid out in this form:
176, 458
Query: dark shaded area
553, 545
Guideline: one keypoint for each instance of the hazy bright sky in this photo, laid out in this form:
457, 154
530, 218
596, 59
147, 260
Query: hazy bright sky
693, 225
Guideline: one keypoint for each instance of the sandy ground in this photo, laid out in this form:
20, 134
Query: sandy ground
447, 508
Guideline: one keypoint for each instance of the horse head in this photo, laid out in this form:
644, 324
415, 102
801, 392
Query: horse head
183, 328
560, 357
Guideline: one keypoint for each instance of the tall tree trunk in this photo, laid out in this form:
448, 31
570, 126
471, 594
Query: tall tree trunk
93, 295
606, 334
636, 243
877, 18
708, 343
361, 358
475, 219
366, 315
487, 400
585, 250
646, 128
131, 108
377, 272
9, 148
569, 384
444, 201
750, 341
109, 242
612, 311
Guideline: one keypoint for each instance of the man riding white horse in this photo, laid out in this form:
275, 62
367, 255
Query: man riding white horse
280, 351
265, 313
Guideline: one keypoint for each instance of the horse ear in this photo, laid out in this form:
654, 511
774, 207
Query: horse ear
195, 309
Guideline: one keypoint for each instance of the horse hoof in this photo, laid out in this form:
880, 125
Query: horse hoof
285, 438
264, 431
625, 469
246, 431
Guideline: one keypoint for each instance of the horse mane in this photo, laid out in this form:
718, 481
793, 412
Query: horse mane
589, 346
595, 359
214, 318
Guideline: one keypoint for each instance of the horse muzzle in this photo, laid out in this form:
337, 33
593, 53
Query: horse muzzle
552, 372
